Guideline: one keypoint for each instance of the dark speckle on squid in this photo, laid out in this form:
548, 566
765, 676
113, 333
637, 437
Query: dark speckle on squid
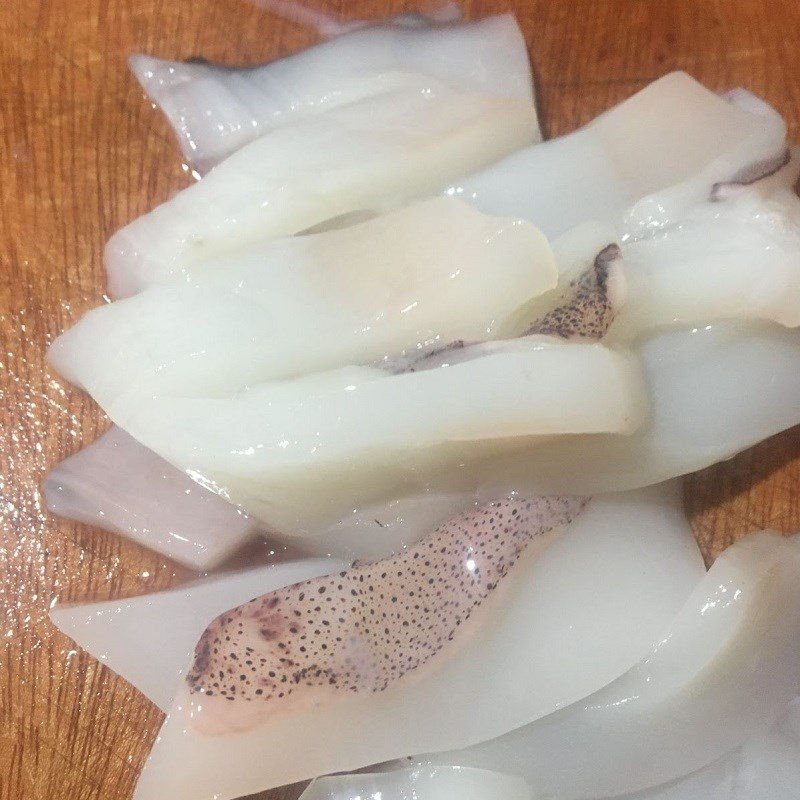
363, 629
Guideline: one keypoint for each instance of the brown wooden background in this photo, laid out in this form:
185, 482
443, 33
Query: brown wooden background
81, 153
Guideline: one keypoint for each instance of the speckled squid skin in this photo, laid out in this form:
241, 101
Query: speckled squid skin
589, 303
364, 629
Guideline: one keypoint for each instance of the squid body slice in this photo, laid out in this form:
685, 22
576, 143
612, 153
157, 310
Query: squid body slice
299, 453
702, 412
737, 259
148, 640
370, 155
535, 636
422, 276
766, 767
654, 559
722, 671
122, 487
421, 783
215, 110
639, 165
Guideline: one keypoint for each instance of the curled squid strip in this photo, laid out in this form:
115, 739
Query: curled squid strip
371, 155
725, 668
636, 167
562, 625
215, 110
428, 273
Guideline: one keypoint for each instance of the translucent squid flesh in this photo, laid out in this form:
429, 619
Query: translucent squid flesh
738, 259
149, 640
422, 783
639, 165
215, 110
459, 681
766, 767
371, 155
702, 412
655, 560
122, 487
427, 274
722, 671
338, 440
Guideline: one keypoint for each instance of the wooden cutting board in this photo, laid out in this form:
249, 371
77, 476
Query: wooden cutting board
81, 154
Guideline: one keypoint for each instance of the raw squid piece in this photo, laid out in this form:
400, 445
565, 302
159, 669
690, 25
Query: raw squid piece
334, 441
422, 783
639, 165
654, 559
122, 487
702, 412
415, 278
558, 625
149, 640
767, 767
215, 110
370, 155
738, 259
724, 669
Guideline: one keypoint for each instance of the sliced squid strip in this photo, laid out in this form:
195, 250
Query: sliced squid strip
702, 412
424, 783
638, 166
371, 155
766, 767
738, 259
215, 110
431, 272
149, 640
553, 637
120, 486
339, 440
722, 671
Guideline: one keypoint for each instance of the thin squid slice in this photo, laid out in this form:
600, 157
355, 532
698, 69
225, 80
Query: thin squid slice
738, 259
122, 487
335, 441
559, 625
636, 167
766, 767
421, 783
371, 155
215, 110
703, 411
736, 256
722, 671
148, 640
429, 273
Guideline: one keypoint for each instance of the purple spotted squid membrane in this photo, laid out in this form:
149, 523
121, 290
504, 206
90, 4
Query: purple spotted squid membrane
583, 307
368, 627
365, 628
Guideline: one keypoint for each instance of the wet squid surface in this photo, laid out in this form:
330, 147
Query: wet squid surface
368, 627
585, 309
363, 629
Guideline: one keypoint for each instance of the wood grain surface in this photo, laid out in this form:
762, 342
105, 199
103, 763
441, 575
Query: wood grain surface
81, 154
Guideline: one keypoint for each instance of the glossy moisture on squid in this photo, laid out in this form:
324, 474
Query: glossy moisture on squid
365, 628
